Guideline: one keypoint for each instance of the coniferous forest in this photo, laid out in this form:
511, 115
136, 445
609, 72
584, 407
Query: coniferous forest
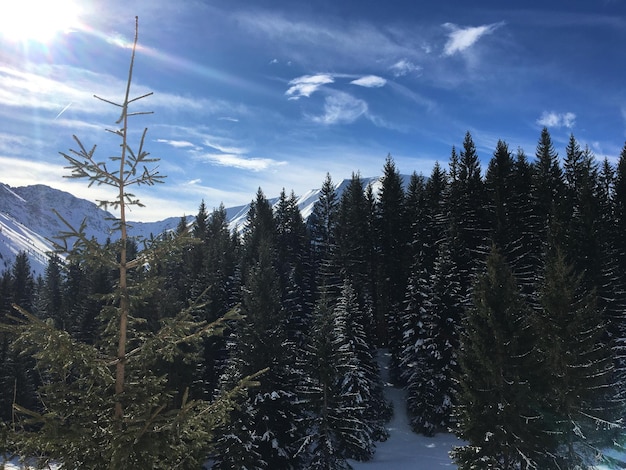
499, 292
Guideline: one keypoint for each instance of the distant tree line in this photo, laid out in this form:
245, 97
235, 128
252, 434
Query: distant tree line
500, 296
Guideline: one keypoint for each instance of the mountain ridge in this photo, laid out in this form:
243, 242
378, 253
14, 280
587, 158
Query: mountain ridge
28, 221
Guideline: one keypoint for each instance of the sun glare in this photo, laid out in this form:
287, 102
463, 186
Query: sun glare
37, 20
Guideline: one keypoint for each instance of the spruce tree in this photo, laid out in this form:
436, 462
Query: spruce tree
294, 266
466, 216
436, 304
619, 206
52, 295
581, 200
321, 227
524, 252
495, 413
321, 448
579, 395
266, 422
548, 188
392, 258
499, 188
343, 389
353, 257
107, 405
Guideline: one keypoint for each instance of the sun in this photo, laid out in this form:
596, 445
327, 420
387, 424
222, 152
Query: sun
37, 20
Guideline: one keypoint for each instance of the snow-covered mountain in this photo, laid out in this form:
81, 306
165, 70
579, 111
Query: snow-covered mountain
28, 223
27, 220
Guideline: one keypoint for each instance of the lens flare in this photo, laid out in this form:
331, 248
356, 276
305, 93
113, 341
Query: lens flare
37, 20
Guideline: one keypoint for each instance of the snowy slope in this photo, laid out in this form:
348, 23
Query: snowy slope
405, 450
27, 222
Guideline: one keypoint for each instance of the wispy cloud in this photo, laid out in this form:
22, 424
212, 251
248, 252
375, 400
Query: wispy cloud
176, 143
335, 40
239, 161
552, 119
52, 87
460, 39
218, 144
341, 108
404, 67
370, 81
225, 152
306, 85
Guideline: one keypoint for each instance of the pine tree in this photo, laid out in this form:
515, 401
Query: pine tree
107, 405
499, 188
524, 253
354, 259
619, 204
547, 190
392, 231
495, 412
466, 215
436, 303
267, 420
321, 226
321, 448
52, 305
344, 391
578, 390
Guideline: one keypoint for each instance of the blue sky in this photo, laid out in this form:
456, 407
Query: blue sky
275, 94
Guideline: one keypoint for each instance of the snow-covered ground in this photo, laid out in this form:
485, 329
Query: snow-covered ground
405, 450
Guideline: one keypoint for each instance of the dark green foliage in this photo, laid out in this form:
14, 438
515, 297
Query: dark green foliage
619, 208
321, 226
548, 190
466, 215
105, 399
578, 394
499, 188
496, 413
266, 422
434, 306
343, 389
524, 250
353, 239
294, 267
393, 258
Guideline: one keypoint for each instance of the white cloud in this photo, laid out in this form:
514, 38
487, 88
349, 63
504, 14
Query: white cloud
341, 108
460, 39
176, 143
224, 148
239, 161
404, 67
307, 85
370, 81
552, 119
